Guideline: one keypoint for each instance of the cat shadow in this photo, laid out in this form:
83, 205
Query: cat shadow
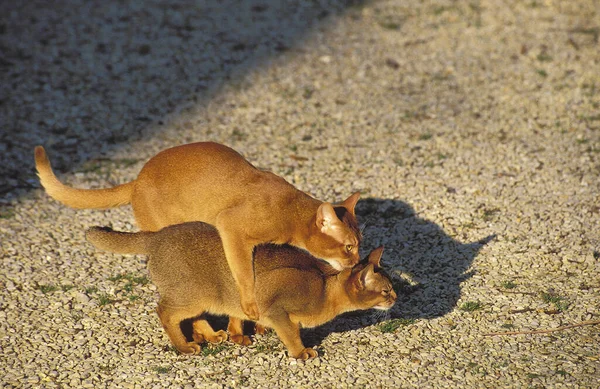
426, 265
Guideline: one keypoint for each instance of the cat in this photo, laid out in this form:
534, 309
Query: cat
213, 183
293, 289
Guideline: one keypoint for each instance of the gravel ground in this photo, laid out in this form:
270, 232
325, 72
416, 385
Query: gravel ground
470, 127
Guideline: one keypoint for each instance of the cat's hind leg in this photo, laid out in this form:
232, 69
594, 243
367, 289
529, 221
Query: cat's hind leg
203, 331
236, 332
259, 329
171, 317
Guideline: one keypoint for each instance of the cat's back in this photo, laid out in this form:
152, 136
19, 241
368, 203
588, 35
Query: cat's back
195, 159
289, 277
189, 254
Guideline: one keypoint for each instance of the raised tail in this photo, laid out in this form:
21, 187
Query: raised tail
106, 239
79, 198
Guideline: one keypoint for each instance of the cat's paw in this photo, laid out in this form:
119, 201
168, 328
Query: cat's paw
189, 348
218, 337
198, 337
307, 353
250, 308
260, 329
242, 340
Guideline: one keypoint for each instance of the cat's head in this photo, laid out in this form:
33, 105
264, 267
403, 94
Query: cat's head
335, 235
369, 286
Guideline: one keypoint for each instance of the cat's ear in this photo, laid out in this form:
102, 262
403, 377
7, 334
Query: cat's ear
375, 256
363, 277
326, 217
350, 202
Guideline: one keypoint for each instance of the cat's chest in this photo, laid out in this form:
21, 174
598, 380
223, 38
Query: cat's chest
313, 319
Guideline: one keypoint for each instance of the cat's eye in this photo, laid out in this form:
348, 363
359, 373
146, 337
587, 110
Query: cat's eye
385, 292
349, 247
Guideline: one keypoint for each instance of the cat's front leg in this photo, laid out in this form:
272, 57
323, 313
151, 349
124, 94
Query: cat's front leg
289, 333
238, 251
236, 332
203, 331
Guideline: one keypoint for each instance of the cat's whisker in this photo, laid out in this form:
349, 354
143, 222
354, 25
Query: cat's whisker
379, 315
362, 227
384, 315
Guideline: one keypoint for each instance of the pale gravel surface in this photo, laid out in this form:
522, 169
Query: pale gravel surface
471, 128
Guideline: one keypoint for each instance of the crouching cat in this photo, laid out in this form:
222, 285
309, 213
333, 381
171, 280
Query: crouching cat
293, 289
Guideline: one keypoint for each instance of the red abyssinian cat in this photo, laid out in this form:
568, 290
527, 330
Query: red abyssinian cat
293, 289
213, 183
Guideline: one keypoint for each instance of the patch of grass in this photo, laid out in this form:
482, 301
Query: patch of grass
594, 32
544, 57
125, 162
508, 284
470, 306
440, 76
542, 72
171, 348
77, 316
93, 166
561, 373
425, 136
162, 369
66, 288
440, 10
91, 289
552, 298
307, 92
7, 213
239, 135
590, 89
133, 279
106, 368
213, 349
394, 324
488, 213
390, 25
507, 326
105, 299
476, 369
593, 117
263, 348
116, 278
47, 288
533, 375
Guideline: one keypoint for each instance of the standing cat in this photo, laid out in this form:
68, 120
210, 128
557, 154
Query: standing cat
293, 289
212, 183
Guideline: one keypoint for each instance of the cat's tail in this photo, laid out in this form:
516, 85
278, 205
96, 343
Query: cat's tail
106, 239
79, 198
